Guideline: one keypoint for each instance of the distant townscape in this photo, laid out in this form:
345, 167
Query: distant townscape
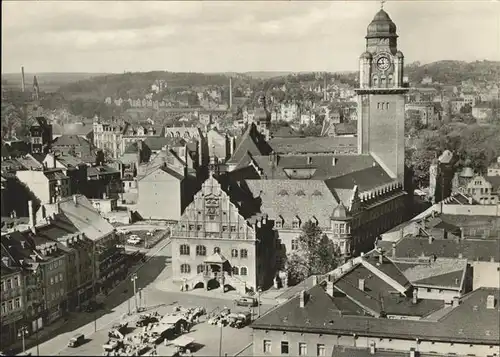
308, 214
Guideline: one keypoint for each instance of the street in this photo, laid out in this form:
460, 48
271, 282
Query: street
120, 300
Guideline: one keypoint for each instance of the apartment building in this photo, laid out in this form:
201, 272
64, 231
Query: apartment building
108, 136
48, 185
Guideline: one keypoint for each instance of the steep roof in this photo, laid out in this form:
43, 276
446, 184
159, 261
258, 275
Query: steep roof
71, 140
366, 178
292, 199
85, 217
158, 142
470, 322
313, 144
325, 166
443, 272
251, 142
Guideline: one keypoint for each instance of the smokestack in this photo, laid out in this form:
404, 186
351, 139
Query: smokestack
23, 84
230, 93
31, 215
361, 284
380, 258
394, 250
315, 280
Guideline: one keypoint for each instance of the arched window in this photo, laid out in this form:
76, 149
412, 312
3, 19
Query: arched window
185, 269
243, 253
236, 271
200, 269
382, 82
243, 271
216, 250
201, 250
375, 81
234, 253
390, 80
184, 249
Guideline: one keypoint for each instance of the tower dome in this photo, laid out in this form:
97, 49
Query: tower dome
366, 55
381, 26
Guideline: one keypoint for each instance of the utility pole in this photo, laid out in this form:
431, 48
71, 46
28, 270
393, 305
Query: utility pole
133, 278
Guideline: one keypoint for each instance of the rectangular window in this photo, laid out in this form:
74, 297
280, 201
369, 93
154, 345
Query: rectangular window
302, 349
52, 281
224, 228
336, 228
277, 224
295, 224
4, 308
56, 279
342, 228
284, 347
320, 350
60, 277
267, 346
9, 284
10, 305
191, 227
295, 244
16, 282
233, 228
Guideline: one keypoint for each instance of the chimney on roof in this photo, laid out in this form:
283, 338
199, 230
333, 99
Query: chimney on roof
309, 160
456, 301
334, 161
53, 160
461, 233
414, 298
430, 239
413, 353
303, 298
329, 287
460, 256
393, 252
361, 284
75, 199
31, 214
315, 280
490, 302
380, 257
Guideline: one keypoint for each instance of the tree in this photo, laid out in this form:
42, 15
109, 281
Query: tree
316, 254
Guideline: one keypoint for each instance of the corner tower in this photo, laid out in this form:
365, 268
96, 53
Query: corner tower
381, 97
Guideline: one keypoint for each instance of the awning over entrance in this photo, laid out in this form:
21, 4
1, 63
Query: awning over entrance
216, 258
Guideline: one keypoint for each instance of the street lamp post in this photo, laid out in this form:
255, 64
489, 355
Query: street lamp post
23, 331
133, 278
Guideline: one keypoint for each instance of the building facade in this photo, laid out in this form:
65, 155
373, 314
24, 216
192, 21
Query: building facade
216, 245
381, 97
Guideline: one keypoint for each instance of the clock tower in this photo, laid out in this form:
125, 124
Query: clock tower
381, 97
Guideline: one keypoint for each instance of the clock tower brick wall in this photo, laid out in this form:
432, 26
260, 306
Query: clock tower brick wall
381, 97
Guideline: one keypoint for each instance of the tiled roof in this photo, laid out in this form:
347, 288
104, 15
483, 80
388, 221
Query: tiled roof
158, 142
70, 140
69, 160
305, 199
346, 351
55, 174
494, 181
283, 132
470, 322
85, 217
29, 162
365, 178
443, 272
323, 165
318, 145
166, 169
101, 170
251, 142
471, 249
350, 128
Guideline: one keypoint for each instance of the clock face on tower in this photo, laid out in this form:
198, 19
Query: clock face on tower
383, 63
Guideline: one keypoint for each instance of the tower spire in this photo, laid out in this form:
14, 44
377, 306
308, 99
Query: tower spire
382, 4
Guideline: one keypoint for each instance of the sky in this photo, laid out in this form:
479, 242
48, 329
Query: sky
235, 36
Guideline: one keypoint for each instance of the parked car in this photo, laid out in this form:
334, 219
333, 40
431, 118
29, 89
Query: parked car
134, 240
247, 301
76, 340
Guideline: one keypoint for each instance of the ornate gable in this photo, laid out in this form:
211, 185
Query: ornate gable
212, 215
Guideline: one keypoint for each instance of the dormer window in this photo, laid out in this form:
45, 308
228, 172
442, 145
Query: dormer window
296, 223
278, 224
